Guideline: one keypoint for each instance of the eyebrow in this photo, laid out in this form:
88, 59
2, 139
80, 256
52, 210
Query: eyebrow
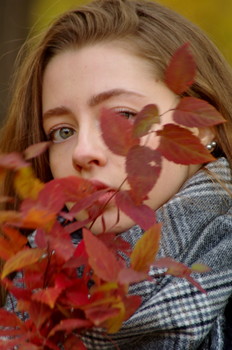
57, 111
92, 102
106, 95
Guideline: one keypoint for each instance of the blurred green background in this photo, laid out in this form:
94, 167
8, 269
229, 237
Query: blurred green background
18, 18
213, 16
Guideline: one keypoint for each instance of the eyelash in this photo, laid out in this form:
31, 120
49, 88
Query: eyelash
128, 114
51, 134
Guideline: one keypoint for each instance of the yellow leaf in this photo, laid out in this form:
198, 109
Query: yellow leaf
146, 248
115, 323
20, 260
26, 184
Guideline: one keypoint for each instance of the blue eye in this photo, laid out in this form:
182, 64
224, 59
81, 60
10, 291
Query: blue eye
61, 134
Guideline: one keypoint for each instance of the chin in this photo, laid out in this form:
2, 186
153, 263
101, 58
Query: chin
112, 223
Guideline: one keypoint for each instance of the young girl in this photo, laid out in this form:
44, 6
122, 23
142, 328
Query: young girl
113, 54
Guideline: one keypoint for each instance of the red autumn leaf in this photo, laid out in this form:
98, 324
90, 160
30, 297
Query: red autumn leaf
74, 226
76, 296
74, 343
39, 313
12, 161
181, 70
141, 214
144, 120
11, 333
180, 146
40, 238
117, 132
193, 112
60, 241
21, 293
101, 259
68, 189
34, 276
177, 269
36, 150
115, 243
70, 325
145, 250
87, 202
21, 259
10, 319
10, 344
47, 296
80, 251
143, 166
132, 303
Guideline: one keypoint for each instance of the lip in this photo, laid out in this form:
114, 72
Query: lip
107, 198
99, 185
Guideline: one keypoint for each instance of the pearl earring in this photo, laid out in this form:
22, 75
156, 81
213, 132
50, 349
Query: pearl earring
211, 145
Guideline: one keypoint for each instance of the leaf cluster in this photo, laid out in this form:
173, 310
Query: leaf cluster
63, 290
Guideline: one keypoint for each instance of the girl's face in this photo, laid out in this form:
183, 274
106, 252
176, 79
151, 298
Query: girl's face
77, 84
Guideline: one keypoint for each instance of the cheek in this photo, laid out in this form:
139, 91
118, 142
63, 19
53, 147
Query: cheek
172, 177
58, 161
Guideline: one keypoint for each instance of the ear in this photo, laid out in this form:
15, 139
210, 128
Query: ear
206, 135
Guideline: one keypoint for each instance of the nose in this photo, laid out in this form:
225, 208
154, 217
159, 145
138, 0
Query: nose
89, 150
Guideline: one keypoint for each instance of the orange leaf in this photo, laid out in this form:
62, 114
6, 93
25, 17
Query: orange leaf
144, 120
181, 70
146, 248
20, 260
18, 241
193, 112
26, 184
180, 146
101, 259
6, 250
38, 218
10, 216
47, 296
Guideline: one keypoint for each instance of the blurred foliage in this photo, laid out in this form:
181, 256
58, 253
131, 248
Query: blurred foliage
213, 16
